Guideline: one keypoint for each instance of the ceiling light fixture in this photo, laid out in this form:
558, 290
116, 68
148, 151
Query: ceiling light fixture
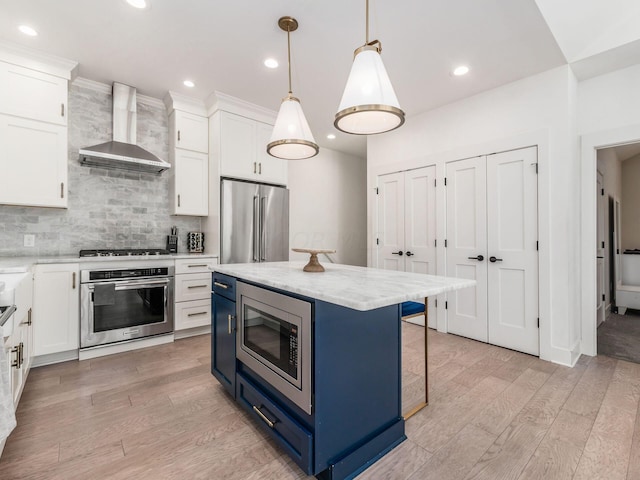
369, 104
461, 70
291, 138
271, 63
27, 30
331, 136
189, 83
140, 4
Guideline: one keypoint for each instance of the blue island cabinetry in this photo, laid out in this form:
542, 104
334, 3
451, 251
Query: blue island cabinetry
355, 415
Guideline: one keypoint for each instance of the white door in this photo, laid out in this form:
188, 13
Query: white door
600, 298
390, 234
466, 247
420, 225
512, 233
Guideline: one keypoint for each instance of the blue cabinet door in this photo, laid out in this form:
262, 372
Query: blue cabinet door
223, 342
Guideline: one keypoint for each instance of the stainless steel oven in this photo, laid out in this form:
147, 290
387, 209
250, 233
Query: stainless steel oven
125, 304
274, 340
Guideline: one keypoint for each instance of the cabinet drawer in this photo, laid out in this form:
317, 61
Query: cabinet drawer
193, 286
196, 313
224, 285
291, 435
195, 265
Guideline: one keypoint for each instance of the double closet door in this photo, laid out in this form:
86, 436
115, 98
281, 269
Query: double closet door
406, 223
492, 237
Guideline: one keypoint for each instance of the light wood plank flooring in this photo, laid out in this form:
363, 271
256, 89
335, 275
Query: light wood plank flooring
157, 413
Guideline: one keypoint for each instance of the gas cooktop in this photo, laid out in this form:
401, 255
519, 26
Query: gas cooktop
126, 252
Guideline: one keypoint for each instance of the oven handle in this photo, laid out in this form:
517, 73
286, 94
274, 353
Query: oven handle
128, 284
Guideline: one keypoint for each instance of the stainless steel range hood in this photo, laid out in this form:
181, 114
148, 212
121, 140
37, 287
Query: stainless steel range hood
122, 152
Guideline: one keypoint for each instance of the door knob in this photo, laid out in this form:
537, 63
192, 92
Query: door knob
494, 259
409, 254
479, 258
397, 253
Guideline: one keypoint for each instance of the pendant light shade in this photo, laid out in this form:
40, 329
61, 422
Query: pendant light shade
369, 104
291, 138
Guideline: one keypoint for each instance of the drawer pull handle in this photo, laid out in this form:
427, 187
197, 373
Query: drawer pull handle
198, 266
263, 417
194, 314
197, 286
221, 285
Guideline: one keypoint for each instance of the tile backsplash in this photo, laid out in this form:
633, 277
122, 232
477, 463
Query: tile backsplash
106, 208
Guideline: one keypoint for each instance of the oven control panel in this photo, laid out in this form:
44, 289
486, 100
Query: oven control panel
128, 273
293, 347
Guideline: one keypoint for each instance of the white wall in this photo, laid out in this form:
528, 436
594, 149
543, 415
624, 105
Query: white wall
630, 203
328, 206
538, 110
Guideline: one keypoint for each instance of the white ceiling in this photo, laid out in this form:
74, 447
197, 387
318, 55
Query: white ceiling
221, 45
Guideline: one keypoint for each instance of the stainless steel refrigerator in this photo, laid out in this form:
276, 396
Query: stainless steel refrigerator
254, 222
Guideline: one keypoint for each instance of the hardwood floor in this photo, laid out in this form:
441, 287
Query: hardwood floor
157, 413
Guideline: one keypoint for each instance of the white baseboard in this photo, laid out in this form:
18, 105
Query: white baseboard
52, 358
192, 332
125, 346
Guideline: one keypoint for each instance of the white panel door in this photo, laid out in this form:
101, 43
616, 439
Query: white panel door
600, 298
467, 246
512, 232
390, 235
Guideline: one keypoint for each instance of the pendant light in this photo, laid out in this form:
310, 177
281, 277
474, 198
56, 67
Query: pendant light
291, 138
369, 104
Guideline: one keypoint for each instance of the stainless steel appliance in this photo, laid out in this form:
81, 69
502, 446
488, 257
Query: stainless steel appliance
120, 304
254, 222
274, 340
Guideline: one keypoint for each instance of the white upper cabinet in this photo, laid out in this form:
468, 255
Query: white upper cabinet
243, 145
31, 94
188, 153
33, 159
190, 132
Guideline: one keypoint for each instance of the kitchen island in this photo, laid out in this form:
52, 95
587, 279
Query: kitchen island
326, 383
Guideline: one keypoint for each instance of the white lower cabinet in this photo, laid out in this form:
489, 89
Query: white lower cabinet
56, 309
193, 292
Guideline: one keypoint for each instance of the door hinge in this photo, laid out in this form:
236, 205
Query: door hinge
445, 181
602, 192
538, 322
436, 302
446, 305
377, 191
602, 244
377, 241
618, 251
445, 243
435, 243
537, 245
536, 168
603, 297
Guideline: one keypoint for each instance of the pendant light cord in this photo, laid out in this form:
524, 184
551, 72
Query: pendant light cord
367, 28
289, 56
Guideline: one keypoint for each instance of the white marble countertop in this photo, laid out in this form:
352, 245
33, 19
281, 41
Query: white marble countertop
23, 264
360, 288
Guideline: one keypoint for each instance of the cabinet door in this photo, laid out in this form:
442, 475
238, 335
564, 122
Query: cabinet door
31, 94
270, 169
191, 132
238, 147
16, 368
223, 342
33, 160
191, 177
56, 308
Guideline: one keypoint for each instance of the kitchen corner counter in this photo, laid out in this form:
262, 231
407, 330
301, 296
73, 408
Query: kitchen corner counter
359, 288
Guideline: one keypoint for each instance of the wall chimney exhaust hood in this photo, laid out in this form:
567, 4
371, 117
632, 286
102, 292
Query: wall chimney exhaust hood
122, 152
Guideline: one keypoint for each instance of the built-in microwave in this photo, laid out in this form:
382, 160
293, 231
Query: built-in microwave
274, 340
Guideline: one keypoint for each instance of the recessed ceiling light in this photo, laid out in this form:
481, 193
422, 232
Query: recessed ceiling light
138, 3
271, 63
27, 30
331, 136
461, 70
189, 83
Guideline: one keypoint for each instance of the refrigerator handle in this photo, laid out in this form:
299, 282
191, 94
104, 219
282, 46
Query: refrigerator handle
256, 229
263, 230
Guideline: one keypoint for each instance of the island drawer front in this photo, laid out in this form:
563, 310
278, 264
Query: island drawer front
195, 286
292, 436
195, 265
224, 285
